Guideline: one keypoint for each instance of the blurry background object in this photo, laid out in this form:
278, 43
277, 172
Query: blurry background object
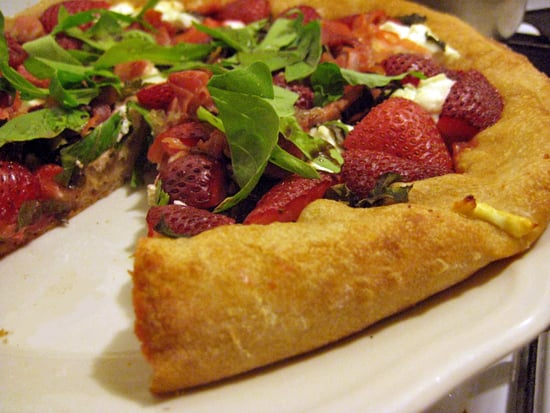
495, 18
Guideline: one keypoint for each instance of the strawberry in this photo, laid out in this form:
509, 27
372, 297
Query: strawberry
178, 138
402, 128
363, 167
408, 62
157, 96
17, 185
50, 15
247, 11
183, 220
286, 200
472, 105
197, 180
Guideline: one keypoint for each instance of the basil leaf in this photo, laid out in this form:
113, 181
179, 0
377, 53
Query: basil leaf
43, 123
89, 148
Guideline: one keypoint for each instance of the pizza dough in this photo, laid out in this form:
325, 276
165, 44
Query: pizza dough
239, 297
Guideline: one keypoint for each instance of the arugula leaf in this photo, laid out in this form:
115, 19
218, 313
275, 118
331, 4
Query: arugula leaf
241, 40
129, 49
43, 123
47, 47
89, 148
328, 81
288, 45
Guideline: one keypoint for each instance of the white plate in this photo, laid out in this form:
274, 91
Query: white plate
65, 304
65, 301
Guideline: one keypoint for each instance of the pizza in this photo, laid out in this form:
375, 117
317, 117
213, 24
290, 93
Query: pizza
312, 168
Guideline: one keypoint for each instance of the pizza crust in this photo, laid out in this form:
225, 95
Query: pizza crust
239, 297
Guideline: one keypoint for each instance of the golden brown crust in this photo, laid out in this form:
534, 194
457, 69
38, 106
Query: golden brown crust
239, 297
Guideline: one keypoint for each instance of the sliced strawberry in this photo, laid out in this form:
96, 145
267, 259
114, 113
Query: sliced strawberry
472, 100
50, 15
183, 220
362, 168
246, 11
177, 139
402, 128
286, 200
17, 185
158, 96
196, 180
410, 62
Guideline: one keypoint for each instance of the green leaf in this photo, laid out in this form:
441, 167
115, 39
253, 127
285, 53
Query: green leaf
43, 123
89, 148
27, 89
46, 47
251, 124
328, 81
131, 49
290, 163
241, 40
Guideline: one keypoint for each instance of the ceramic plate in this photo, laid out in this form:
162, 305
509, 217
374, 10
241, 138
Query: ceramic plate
68, 341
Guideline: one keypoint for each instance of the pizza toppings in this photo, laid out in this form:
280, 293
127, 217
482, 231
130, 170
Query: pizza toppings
177, 220
286, 200
235, 100
402, 128
515, 225
196, 179
473, 104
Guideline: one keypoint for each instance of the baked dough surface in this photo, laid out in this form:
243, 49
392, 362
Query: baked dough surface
239, 297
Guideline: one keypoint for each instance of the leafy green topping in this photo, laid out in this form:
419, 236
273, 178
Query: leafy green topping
287, 44
89, 148
33, 210
328, 81
43, 123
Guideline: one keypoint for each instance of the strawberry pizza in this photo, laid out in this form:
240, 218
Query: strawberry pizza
310, 168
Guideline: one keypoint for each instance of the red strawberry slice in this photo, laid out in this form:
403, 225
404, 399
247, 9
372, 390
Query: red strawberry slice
17, 185
157, 96
50, 15
196, 180
402, 128
472, 105
410, 62
178, 138
286, 200
246, 11
362, 168
183, 220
